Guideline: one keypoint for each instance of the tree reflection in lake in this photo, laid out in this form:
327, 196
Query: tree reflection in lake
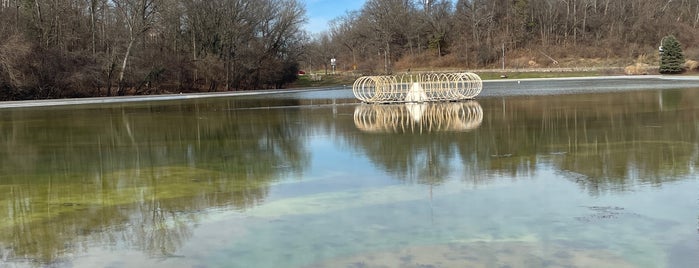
602, 141
611, 141
141, 176
133, 173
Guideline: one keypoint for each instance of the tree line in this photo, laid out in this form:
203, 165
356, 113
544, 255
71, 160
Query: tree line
385, 36
77, 48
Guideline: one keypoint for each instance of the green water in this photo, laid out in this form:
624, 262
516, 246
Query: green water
318, 180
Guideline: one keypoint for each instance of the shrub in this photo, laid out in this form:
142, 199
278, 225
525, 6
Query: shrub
636, 69
671, 57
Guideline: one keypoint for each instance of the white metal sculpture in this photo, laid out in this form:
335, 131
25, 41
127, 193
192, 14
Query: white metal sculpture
418, 117
421, 87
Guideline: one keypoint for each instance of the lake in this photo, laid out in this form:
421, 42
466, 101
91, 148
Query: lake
605, 175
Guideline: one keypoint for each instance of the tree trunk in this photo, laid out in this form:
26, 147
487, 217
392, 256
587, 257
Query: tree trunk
228, 69
93, 5
387, 57
40, 22
194, 57
17, 16
110, 73
121, 89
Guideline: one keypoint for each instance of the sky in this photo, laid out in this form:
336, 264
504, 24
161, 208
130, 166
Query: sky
321, 12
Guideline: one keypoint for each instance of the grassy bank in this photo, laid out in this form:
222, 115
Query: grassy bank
525, 75
347, 79
309, 81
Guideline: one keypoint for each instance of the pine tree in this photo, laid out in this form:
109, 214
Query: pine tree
671, 57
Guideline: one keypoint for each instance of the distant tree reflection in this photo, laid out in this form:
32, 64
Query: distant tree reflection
603, 142
141, 176
133, 174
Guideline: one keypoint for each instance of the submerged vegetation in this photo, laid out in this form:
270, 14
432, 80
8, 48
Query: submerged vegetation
142, 174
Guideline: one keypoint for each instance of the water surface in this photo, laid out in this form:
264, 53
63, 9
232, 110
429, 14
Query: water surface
316, 179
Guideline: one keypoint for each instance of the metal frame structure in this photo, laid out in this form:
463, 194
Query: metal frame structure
421, 87
418, 117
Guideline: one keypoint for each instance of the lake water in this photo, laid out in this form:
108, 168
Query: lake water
315, 179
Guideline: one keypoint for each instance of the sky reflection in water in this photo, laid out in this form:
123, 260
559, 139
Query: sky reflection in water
571, 180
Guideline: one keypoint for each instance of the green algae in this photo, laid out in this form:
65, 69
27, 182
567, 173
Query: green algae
45, 220
143, 177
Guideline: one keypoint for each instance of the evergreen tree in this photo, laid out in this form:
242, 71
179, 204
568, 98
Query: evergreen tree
671, 57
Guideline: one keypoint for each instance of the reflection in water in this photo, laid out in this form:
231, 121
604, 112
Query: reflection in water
141, 176
151, 209
409, 155
133, 176
418, 117
602, 142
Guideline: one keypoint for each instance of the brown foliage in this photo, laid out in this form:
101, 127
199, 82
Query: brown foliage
474, 32
640, 67
691, 65
429, 61
13, 54
637, 69
56, 49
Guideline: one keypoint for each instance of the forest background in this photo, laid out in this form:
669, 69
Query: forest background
82, 48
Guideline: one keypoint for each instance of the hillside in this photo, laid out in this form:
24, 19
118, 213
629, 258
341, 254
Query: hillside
82, 48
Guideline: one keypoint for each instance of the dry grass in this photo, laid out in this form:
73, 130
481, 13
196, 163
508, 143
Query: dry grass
641, 67
560, 57
691, 65
637, 69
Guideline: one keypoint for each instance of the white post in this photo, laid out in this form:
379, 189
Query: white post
503, 75
333, 62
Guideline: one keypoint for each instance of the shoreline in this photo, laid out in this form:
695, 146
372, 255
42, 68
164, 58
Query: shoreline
513, 91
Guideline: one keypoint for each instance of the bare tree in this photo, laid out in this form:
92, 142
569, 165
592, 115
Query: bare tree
80, 47
139, 17
438, 18
323, 49
13, 51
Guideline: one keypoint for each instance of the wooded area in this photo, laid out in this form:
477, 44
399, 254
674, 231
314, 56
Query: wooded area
78, 48
395, 35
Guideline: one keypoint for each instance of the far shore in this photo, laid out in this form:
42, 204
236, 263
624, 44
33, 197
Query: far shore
680, 82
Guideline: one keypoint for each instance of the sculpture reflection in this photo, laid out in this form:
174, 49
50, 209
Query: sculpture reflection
602, 142
414, 154
139, 176
418, 117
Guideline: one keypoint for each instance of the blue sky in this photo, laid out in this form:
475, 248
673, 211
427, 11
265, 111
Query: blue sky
321, 12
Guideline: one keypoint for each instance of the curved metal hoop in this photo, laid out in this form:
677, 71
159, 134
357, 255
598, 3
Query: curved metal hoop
420, 87
418, 117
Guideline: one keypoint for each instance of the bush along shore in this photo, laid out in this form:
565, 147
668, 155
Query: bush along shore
71, 49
